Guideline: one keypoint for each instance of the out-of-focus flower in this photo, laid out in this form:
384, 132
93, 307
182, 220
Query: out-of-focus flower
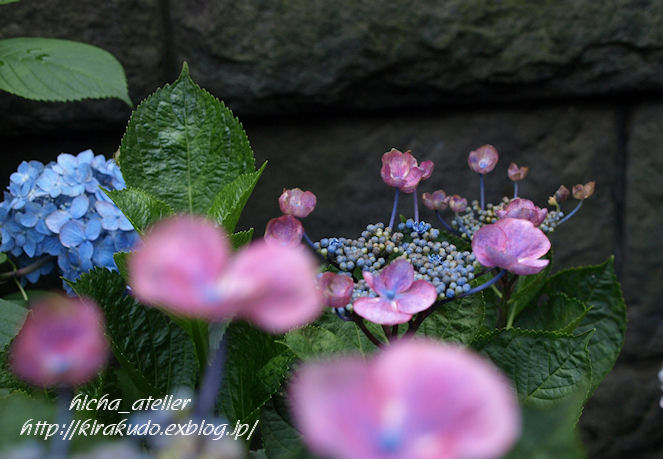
483, 159
436, 200
561, 195
417, 399
336, 289
525, 209
582, 192
516, 173
456, 203
285, 230
400, 170
513, 244
62, 343
297, 203
184, 265
400, 296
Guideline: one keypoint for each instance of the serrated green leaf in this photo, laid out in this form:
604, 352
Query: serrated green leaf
230, 201
140, 208
241, 238
560, 312
544, 367
279, 438
255, 368
12, 317
458, 321
182, 145
145, 341
50, 69
527, 288
597, 287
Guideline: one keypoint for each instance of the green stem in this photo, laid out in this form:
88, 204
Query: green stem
26, 269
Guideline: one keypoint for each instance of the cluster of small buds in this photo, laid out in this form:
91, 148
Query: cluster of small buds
60, 210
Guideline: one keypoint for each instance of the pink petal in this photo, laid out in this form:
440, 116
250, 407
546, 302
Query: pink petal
336, 289
488, 236
178, 264
420, 296
412, 180
285, 230
523, 239
379, 311
396, 277
528, 266
427, 168
271, 286
297, 203
483, 159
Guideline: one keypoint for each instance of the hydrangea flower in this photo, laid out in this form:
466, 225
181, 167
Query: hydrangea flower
436, 200
400, 170
483, 159
336, 289
513, 244
400, 296
417, 399
60, 210
456, 203
297, 203
285, 230
184, 265
525, 209
582, 192
62, 343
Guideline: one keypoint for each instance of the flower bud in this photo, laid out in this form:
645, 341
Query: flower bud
517, 173
62, 343
297, 203
336, 289
285, 230
582, 192
562, 194
483, 159
435, 201
456, 203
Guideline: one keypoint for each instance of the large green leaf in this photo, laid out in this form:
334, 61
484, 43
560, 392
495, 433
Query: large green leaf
4, 2
544, 367
183, 146
241, 238
12, 317
279, 437
17, 409
255, 368
458, 321
59, 70
229, 202
154, 351
597, 287
140, 208
560, 312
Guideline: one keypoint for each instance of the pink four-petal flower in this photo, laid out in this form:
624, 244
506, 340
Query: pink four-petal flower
297, 203
400, 170
483, 159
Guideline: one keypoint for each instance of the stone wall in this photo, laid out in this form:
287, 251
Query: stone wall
571, 88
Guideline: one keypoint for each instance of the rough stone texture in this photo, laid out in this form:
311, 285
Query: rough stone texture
271, 57
339, 159
129, 29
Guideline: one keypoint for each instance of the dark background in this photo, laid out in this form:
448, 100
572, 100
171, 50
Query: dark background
571, 88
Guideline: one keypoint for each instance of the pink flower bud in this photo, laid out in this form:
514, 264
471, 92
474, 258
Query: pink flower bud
456, 203
285, 230
517, 173
513, 244
336, 289
483, 159
62, 343
435, 201
297, 203
525, 209
415, 399
582, 192
562, 194
400, 170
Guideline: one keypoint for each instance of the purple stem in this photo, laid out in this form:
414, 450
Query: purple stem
571, 214
209, 388
60, 444
416, 206
393, 210
481, 187
309, 241
485, 285
515, 190
445, 224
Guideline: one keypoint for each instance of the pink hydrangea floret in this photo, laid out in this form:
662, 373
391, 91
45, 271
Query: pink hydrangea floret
400, 296
297, 203
457, 203
483, 159
418, 399
285, 230
62, 343
525, 209
400, 170
513, 244
336, 289
436, 200
516, 173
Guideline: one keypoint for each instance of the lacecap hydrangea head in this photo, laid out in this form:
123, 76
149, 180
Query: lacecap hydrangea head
60, 210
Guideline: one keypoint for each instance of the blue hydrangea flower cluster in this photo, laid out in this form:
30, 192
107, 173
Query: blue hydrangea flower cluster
60, 210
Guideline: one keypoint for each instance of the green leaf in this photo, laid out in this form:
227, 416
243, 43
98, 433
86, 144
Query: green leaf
280, 439
153, 350
527, 288
544, 367
140, 208
229, 202
49, 69
241, 238
4, 2
183, 146
22, 409
12, 317
121, 261
458, 321
3, 258
597, 287
255, 368
560, 312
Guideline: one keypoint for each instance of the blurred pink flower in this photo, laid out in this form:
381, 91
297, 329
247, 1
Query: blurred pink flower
62, 343
516, 173
400, 170
435, 201
456, 203
184, 266
483, 159
297, 203
400, 295
336, 289
525, 209
418, 399
285, 230
513, 244
582, 192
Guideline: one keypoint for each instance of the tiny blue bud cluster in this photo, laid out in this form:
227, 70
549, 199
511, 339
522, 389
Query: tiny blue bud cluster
60, 210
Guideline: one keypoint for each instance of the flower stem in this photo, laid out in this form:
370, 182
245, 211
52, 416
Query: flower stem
570, 214
362, 326
445, 224
515, 190
26, 269
393, 210
416, 206
60, 444
308, 241
209, 388
481, 188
